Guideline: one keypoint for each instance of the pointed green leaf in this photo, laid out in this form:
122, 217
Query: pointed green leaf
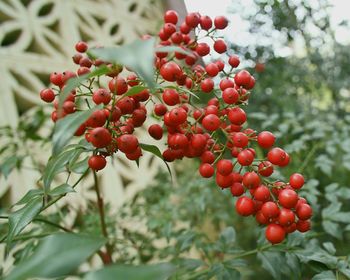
29, 196
67, 126
142, 272
19, 219
135, 90
56, 256
61, 190
325, 275
138, 56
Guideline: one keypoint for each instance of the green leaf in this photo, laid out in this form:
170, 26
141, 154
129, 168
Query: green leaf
329, 247
325, 275
75, 82
138, 56
228, 235
56, 165
272, 263
332, 229
61, 190
19, 219
135, 90
155, 150
8, 165
57, 256
80, 166
67, 126
167, 49
29, 196
143, 272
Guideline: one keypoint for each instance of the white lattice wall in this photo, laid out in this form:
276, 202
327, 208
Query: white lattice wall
38, 37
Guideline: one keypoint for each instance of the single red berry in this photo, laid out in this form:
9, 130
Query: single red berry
100, 137
220, 46
251, 180
127, 143
207, 85
237, 189
234, 61
270, 209
184, 28
160, 109
242, 78
245, 206
303, 226
101, 95
211, 122
296, 180
276, 156
97, 162
118, 85
81, 47
266, 139
205, 22
192, 19
203, 49
220, 22
212, 69
240, 139
56, 79
288, 198
171, 16
224, 167
237, 116
304, 211
245, 157
265, 168
47, 95
170, 71
230, 96
156, 131
262, 193
206, 170
286, 217
275, 233
226, 83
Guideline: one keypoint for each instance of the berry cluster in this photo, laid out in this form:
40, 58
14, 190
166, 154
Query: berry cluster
216, 133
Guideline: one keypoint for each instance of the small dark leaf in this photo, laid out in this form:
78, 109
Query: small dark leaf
8, 165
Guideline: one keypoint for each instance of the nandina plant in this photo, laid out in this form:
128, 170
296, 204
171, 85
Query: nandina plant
99, 108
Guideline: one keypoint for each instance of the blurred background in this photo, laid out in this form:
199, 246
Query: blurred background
299, 53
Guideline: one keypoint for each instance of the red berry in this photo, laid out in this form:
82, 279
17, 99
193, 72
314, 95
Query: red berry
127, 143
170, 71
304, 211
230, 96
212, 69
202, 49
276, 156
205, 22
237, 189
234, 61
118, 86
266, 139
242, 78
100, 137
224, 167
245, 206
211, 122
262, 193
275, 233
171, 97
81, 47
237, 116
296, 180
97, 162
251, 180
171, 16
288, 198
206, 170
101, 95
220, 22
223, 181
265, 168
286, 217
240, 139
207, 85
220, 46
270, 209
47, 95
303, 226
156, 131
192, 19
245, 157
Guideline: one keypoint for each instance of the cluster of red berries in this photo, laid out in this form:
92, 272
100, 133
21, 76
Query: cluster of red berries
214, 133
